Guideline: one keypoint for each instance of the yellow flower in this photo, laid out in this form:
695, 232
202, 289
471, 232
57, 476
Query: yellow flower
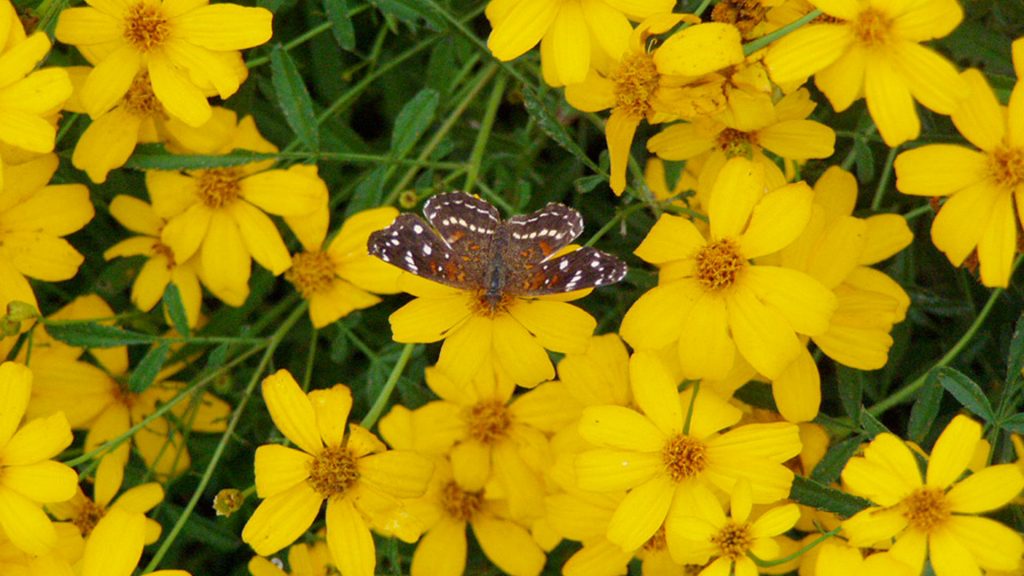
340, 276
30, 478
220, 215
750, 125
28, 97
835, 558
160, 268
303, 559
189, 50
657, 86
115, 529
34, 217
96, 398
64, 554
355, 473
568, 31
706, 534
712, 300
872, 49
985, 186
675, 444
935, 516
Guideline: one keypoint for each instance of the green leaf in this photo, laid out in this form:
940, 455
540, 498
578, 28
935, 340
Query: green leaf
831, 466
294, 99
588, 183
341, 24
925, 409
553, 128
93, 335
966, 391
369, 192
176, 309
851, 391
873, 426
1014, 423
817, 495
142, 377
217, 358
415, 117
156, 157
1015, 358
864, 160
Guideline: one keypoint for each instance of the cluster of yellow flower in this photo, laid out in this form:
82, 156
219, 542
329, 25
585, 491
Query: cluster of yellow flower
638, 453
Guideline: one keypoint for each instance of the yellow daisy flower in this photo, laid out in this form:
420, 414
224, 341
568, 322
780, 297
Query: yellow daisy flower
115, 529
568, 32
707, 536
11, 30
28, 97
220, 214
676, 442
354, 472
985, 186
749, 126
64, 554
303, 559
188, 49
160, 268
34, 217
872, 49
340, 276
30, 477
712, 300
669, 82
935, 516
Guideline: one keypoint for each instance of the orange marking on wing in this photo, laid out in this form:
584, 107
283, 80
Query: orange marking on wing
546, 248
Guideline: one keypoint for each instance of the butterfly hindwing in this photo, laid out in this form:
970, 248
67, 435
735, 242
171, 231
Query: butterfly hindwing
412, 245
584, 268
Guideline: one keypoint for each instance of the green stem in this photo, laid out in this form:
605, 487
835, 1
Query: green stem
385, 394
883, 181
619, 216
767, 39
798, 553
294, 42
477, 155
218, 452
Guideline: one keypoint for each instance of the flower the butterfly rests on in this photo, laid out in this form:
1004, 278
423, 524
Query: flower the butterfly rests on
494, 289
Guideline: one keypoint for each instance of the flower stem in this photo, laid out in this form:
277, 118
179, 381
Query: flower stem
385, 394
767, 39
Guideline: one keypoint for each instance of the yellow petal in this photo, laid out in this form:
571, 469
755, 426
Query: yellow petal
939, 169
886, 235
280, 520
332, 407
843, 81
44, 482
570, 43
890, 102
619, 131
706, 350
508, 545
610, 470
979, 117
761, 334
225, 26
737, 189
109, 80
115, 544
804, 52
278, 469
991, 544
718, 45
403, 474
927, 21
349, 539
179, 96
803, 301
614, 27
874, 525
430, 319
185, 233
225, 261
777, 220
42, 256
797, 390
986, 489
442, 550
682, 141
798, 139
521, 29
468, 348
621, 428
15, 389
641, 513
519, 353
932, 79
261, 238
291, 411
557, 326
204, 67
962, 220
953, 451
997, 246
656, 318
671, 238
291, 192
593, 94
57, 209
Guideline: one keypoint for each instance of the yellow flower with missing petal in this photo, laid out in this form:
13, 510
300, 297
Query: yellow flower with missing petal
188, 49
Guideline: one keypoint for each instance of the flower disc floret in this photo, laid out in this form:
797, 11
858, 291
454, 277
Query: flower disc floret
1007, 166
462, 505
311, 272
333, 471
489, 421
87, 518
140, 99
733, 142
733, 540
926, 508
145, 26
636, 82
685, 457
719, 264
872, 27
219, 187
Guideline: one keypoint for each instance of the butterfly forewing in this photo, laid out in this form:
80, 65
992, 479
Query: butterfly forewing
461, 219
534, 237
584, 268
412, 245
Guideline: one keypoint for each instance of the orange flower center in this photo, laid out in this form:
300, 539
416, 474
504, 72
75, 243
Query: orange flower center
872, 27
685, 457
636, 80
926, 508
460, 504
733, 540
333, 471
145, 26
140, 100
734, 143
1007, 166
219, 187
311, 272
489, 421
718, 264
657, 542
744, 14
88, 517
487, 306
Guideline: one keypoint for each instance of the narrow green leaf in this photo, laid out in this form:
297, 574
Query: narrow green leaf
410, 10
413, 120
810, 493
217, 357
864, 161
925, 409
552, 127
369, 193
176, 309
341, 24
1014, 423
93, 335
873, 426
851, 391
1015, 359
588, 183
831, 466
142, 377
156, 157
966, 391
294, 99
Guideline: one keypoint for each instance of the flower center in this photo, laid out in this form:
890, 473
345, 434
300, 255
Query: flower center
487, 305
140, 100
733, 540
460, 504
489, 421
636, 80
744, 14
734, 143
219, 187
88, 517
685, 457
657, 542
718, 265
145, 26
311, 272
333, 471
1007, 166
872, 27
926, 508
